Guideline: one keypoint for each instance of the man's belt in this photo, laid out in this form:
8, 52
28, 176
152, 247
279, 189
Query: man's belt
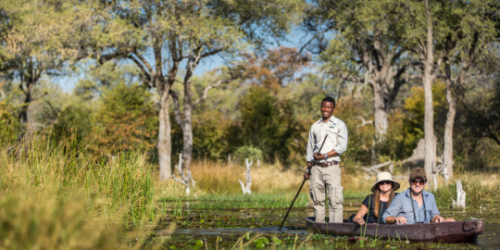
327, 164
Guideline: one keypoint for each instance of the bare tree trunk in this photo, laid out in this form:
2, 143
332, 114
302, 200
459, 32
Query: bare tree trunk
31, 77
23, 115
185, 120
187, 127
430, 145
448, 132
164, 143
380, 120
380, 114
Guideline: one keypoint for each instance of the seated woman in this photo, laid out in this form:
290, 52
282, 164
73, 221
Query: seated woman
378, 201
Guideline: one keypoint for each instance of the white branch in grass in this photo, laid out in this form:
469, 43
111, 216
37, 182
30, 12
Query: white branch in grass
460, 203
246, 189
186, 178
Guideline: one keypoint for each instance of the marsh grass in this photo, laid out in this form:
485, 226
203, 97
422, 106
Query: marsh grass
60, 197
55, 197
254, 201
108, 186
479, 188
44, 221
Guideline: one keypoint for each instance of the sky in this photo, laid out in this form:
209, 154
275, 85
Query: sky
295, 39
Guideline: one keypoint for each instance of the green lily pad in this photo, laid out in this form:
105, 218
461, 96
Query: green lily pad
276, 240
199, 243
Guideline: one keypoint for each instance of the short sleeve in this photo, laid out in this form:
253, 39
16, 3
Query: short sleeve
434, 210
393, 210
368, 202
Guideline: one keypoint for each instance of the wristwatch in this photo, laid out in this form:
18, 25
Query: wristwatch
326, 157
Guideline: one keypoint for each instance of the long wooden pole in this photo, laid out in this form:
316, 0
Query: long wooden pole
304, 181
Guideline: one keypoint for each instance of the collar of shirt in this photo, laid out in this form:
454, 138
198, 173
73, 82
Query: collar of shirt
332, 119
425, 194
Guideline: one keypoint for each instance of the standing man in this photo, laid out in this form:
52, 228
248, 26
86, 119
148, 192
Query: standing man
326, 171
414, 205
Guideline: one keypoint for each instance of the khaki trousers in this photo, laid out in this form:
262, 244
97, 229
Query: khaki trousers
328, 177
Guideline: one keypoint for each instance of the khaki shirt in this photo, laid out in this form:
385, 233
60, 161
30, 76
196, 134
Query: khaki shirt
337, 138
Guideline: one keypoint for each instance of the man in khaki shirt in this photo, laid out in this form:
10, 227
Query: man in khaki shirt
326, 171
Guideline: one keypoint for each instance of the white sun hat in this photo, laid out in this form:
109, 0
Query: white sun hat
385, 176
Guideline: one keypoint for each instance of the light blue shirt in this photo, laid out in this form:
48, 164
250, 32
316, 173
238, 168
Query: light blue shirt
401, 207
337, 138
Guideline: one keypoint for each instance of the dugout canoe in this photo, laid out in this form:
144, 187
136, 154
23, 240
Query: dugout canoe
447, 232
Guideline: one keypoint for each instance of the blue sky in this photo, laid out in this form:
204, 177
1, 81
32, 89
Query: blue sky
295, 39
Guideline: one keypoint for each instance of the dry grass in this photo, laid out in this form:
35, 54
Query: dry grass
222, 179
479, 188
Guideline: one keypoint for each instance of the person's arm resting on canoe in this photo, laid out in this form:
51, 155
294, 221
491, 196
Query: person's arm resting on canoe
436, 217
359, 216
390, 215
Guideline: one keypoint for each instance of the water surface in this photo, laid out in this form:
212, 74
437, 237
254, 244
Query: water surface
228, 225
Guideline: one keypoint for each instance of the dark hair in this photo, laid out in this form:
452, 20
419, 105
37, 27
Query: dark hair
329, 99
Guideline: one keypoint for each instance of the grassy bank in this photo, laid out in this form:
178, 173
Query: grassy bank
58, 198
61, 198
219, 181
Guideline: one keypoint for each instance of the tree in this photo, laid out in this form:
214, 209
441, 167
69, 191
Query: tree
39, 37
426, 54
414, 109
368, 48
268, 123
473, 26
127, 120
174, 32
483, 115
450, 28
276, 68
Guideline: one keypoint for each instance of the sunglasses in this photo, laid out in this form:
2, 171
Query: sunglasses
415, 182
385, 182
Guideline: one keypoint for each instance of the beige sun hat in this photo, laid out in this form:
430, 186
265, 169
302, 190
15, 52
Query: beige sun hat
385, 176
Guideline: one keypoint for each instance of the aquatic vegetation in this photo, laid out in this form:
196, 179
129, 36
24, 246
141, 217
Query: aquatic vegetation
57, 197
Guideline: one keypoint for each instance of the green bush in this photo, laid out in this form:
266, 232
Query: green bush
9, 123
249, 152
268, 124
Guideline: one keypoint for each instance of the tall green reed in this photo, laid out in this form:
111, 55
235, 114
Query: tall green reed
110, 185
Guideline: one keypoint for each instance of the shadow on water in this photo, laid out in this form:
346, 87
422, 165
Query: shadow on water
188, 222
